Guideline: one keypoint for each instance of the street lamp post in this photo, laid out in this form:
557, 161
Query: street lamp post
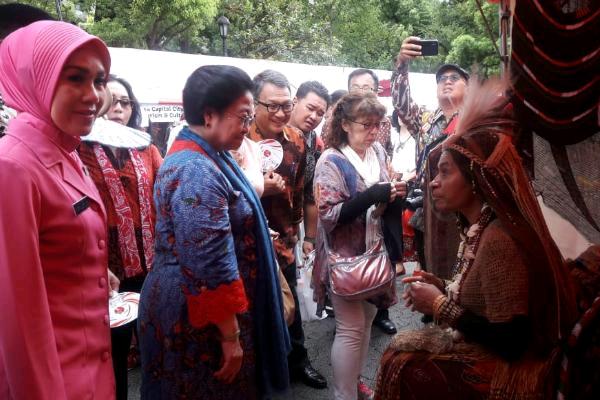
58, 10
224, 23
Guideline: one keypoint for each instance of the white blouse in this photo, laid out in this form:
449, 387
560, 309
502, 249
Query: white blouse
404, 156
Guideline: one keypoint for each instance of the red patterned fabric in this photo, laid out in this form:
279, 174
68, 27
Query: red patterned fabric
408, 236
407, 229
126, 228
145, 191
422, 375
213, 306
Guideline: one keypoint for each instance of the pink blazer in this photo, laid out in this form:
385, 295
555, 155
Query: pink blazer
54, 329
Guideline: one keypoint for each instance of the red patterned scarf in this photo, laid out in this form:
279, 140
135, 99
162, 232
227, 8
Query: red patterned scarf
125, 225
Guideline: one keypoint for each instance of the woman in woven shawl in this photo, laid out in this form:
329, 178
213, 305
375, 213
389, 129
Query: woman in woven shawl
352, 187
211, 317
500, 320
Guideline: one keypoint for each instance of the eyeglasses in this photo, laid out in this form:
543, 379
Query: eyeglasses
273, 108
124, 102
449, 77
369, 126
246, 120
363, 88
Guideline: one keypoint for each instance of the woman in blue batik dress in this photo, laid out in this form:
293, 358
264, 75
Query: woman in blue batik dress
211, 316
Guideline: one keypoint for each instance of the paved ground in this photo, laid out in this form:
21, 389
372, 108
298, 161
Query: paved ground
319, 338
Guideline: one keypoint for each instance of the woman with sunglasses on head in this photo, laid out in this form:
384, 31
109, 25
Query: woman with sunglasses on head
124, 171
501, 318
54, 335
352, 189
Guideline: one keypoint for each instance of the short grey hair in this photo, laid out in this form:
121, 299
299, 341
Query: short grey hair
269, 76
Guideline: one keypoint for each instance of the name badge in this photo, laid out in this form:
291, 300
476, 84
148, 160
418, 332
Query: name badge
81, 205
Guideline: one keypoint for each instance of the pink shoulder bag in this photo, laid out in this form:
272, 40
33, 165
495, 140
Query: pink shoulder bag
360, 277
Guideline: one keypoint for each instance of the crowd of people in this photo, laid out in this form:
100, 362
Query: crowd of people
207, 235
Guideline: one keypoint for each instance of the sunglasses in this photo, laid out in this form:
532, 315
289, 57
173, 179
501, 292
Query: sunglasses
449, 77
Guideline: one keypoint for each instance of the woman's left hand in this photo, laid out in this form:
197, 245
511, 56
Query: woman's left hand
420, 296
113, 283
307, 247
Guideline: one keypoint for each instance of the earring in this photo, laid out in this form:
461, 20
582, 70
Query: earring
472, 179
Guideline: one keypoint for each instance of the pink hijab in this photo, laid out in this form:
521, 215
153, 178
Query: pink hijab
31, 60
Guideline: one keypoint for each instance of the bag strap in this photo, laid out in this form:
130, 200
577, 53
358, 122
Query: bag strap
328, 249
378, 151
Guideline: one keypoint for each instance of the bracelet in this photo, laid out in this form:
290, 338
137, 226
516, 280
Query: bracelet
231, 338
437, 304
449, 312
310, 240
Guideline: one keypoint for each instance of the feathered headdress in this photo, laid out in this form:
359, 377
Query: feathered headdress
484, 136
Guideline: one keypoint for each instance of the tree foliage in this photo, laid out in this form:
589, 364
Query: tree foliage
358, 33
276, 29
153, 24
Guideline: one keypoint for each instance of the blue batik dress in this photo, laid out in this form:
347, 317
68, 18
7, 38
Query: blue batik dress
205, 268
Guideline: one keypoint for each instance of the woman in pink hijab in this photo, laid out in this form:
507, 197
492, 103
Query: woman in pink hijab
54, 334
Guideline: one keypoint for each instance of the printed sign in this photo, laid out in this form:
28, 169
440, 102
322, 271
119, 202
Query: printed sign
162, 113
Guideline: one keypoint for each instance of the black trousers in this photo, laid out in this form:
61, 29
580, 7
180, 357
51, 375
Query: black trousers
420, 248
392, 231
299, 355
121, 341
394, 242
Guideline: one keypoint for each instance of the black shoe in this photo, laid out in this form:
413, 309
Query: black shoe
310, 376
385, 325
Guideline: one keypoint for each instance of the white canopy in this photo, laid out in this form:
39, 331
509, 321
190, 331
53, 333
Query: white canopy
158, 77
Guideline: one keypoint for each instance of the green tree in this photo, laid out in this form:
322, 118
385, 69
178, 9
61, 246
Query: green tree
462, 34
364, 38
68, 7
277, 30
357, 33
152, 24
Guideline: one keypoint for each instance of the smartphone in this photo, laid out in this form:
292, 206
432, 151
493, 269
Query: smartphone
429, 47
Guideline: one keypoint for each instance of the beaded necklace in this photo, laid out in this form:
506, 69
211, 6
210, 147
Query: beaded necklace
471, 238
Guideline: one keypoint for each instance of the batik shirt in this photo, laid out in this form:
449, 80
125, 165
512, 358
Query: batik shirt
314, 149
426, 127
285, 210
